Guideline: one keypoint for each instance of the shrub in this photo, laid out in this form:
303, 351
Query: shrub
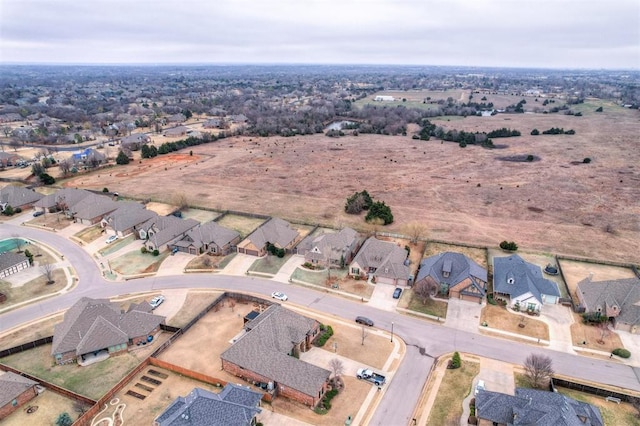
327, 332
587, 160
47, 179
622, 352
530, 158
473, 420
535, 132
593, 318
8, 211
599, 109
508, 245
18, 210
379, 210
156, 252
105, 189
456, 362
358, 202
144, 250
490, 300
122, 158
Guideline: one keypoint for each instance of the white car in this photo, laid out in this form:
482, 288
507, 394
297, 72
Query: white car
479, 386
280, 296
111, 239
156, 301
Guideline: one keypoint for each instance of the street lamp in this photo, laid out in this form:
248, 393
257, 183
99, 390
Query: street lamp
391, 331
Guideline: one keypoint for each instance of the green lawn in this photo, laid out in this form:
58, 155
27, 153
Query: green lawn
455, 386
92, 381
317, 277
269, 264
432, 307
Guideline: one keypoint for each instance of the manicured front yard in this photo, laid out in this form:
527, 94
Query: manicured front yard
207, 262
591, 336
339, 281
500, 318
116, 245
34, 288
431, 306
269, 264
135, 262
454, 388
92, 381
90, 234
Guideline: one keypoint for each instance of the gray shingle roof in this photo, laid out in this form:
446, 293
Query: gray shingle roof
524, 277
17, 196
70, 196
338, 243
275, 231
535, 407
387, 257
264, 350
622, 295
168, 228
211, 232
12, 385
234, 406
93, 206
129, 214
459, 266
9, 259
92, 324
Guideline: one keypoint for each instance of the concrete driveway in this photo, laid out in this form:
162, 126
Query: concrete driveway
239, 265
382, 297
463, 315
175, 264
559, 319
288, 268
497, 376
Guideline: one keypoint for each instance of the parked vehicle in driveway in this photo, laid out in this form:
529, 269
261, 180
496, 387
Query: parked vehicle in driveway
111, 239
397, 293
364, 321
280, 296
370, 376
156, 301
38, 213
479, 386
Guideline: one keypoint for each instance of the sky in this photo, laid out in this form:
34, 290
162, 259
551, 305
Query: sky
589, 34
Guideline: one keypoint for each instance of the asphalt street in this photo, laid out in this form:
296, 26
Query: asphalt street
425, 341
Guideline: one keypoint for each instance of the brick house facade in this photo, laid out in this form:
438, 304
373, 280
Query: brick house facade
15, 391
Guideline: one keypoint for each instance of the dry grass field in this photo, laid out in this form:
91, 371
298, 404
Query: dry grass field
556, 204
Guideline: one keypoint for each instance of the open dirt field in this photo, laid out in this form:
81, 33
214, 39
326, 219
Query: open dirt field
471, 195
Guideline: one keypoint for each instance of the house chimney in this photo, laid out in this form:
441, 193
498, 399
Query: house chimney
590, 276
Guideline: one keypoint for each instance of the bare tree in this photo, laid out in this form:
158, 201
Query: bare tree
604, 331
538, 369
425, 289
365, 333
65, 167
6, 130
47, 271
14, 143
181, 201
19, 242
415, 230
337, 367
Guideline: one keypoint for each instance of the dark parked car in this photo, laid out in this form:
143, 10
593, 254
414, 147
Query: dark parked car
38, 213
397, 293
364, 321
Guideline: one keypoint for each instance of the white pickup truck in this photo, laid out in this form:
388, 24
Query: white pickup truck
369, 375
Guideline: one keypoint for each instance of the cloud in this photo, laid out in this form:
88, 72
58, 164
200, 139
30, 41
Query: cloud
543, 33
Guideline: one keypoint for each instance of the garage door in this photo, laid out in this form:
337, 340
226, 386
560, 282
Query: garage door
252, 252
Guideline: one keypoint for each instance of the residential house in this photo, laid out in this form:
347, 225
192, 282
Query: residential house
214, 123
135, 141
176, 131
210, 238
522, 283
268, 353
15, 391
177, 118
127, 218
88, 156
91, 209
161, 232
61, 199
275, 231
12, 263
98, 327
618, 300
18, 196
337, 249
236, 405
237, 118
454, 274
382, 260
9, 159
534, 407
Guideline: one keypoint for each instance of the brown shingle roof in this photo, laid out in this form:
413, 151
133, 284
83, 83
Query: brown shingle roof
275, 231
12, 385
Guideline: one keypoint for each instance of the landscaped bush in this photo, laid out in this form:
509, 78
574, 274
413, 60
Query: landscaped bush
325, 404
491, 300
455, 361
156, 252
593, 318
622, 352
473, 420
327, 332
508, 245
144, 250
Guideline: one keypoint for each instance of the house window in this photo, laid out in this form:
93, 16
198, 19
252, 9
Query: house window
355, 271
445, 274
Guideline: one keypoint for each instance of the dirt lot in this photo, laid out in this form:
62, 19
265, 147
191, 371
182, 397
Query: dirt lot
574, 272
460, 194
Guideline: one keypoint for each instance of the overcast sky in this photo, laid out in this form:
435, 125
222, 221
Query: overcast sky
513, 33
